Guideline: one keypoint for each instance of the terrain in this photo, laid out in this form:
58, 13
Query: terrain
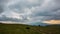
28, 29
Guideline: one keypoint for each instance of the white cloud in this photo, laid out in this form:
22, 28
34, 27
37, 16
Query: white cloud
12, 14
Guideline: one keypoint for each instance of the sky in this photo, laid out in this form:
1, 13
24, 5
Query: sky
29, 11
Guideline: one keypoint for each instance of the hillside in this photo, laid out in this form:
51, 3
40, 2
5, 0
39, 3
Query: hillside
27, 29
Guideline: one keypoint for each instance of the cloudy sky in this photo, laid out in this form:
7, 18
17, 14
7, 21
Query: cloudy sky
29, 11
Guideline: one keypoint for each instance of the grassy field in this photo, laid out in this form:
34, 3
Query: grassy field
27, 29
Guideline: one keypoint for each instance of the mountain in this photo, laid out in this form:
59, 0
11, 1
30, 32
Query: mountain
39, 23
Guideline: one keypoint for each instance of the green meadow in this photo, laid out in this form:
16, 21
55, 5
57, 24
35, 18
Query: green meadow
28, 29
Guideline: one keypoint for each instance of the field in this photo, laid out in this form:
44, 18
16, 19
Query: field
28, 29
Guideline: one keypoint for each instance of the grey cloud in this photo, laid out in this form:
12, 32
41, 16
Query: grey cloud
24, 4
1, 9
4, 18
51, 11
47, 10
2, 4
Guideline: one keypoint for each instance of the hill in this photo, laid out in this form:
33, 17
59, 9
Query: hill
28, 29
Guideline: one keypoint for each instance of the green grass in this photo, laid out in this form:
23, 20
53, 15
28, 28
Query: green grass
21, 29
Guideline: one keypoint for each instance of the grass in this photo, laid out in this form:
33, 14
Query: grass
22, 29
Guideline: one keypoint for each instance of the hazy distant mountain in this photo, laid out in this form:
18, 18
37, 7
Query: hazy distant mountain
38, 23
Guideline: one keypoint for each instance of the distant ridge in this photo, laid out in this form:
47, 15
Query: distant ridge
37, 24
